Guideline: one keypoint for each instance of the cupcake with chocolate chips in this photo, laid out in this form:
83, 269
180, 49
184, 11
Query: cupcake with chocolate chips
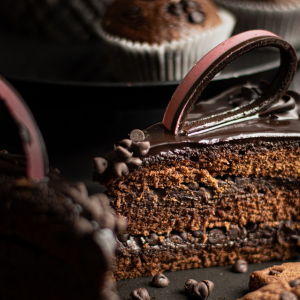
161, 40
279, 16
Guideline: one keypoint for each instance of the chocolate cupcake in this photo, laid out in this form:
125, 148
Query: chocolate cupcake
279, 16
56, 241
63, 20
161, 40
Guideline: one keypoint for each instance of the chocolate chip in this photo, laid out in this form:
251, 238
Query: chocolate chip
215, 236
287, 295
198, 234
160, 280
126, 143
191, 4
175, 238
153, 239
133, 12
210, 286
123, 237
196, 17
203, 288
234, 233
140, 294
133, 163
189, 285
294, 282
100, 164
137, 135
193, 185
141, 148
274, 272
122, 153
248, 93
240, 266
120, 169
183, 235
175, 9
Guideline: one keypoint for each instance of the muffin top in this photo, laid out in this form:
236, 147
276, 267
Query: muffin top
158, 21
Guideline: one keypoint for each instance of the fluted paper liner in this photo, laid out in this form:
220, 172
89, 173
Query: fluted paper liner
134, 61
283, 19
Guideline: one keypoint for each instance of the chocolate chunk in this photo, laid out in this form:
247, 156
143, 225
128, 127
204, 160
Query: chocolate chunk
122, 153
153, 239
133, 163
160, 280
126, 143
287, 295
175, 9
249, 94
196, 17
294, 282
274, 272
203, 288
137, 135
100, 164
140, 294
123, 237
193, 185
240, 266
216, 236
120, 169
141, 148
189, 285
133, 12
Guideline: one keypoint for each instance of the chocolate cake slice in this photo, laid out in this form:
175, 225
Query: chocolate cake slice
216, 181
56, 241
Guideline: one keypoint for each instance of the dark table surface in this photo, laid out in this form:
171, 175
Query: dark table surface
228, 285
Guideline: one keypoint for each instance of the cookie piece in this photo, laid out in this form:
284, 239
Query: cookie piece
275, 291
275, 274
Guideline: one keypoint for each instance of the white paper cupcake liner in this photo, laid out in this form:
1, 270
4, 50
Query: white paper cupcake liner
282, 19
134, 61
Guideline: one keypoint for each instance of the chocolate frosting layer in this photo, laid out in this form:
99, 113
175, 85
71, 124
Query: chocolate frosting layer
281, 122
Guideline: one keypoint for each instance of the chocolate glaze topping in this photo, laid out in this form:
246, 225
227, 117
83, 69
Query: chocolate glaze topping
281, 121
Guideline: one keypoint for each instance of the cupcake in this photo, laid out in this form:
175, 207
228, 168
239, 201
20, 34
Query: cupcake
56, 241
61, 20
161, 40
279, 16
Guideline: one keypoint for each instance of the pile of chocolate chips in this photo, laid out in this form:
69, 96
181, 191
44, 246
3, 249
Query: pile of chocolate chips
190, 8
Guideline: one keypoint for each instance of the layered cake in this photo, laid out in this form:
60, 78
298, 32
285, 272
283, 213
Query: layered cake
56, 241
286, 272
216, 181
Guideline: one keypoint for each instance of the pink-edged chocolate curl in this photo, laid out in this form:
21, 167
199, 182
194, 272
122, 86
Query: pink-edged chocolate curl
215, 61
32, 141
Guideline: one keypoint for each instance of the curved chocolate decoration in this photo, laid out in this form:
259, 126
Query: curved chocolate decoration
215, 61
32, 140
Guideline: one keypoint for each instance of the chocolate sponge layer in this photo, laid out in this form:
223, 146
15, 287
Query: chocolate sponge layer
236, 200
146, 256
